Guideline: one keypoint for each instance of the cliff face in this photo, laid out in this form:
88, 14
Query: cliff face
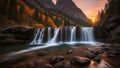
46, 3
109, 21
110, 29
15, 35
66, 6
69, 7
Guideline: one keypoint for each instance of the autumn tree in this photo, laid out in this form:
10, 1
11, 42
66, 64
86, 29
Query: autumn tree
36, 16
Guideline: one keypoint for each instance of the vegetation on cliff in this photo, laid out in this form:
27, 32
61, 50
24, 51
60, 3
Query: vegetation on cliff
109, 21
22, 12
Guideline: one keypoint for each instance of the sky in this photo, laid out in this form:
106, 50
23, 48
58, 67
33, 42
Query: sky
90, 7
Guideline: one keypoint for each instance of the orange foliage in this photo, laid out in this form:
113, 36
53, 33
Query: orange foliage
61, 25
51, 22
29, 11
54, 17
63, 22
39, 25
43, 17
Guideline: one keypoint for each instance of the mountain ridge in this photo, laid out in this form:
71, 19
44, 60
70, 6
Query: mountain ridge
70, 8
36, 14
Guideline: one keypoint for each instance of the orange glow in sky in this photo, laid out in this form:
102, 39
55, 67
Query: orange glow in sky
90, 7
93, 21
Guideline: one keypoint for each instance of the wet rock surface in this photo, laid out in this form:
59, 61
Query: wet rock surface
76, 59
80, 61
38, 64
63, 64
56, 59
69, 52
97, 59
90, 55
15, 35
113, 51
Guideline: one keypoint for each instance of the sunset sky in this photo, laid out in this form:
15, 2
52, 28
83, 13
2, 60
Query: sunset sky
90, 7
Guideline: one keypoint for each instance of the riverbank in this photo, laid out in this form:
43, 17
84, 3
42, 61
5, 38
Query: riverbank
16, 35
84, 56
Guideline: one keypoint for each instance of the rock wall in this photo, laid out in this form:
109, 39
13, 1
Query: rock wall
110, 29
15, 35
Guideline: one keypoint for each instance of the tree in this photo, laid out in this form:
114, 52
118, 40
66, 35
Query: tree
20, 13
36, 16
4, 5
13, 10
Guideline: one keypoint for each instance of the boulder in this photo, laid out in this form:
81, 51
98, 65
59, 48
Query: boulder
95, 52
12, 42
38, 64
113, 54
113, 50
69, 51
16, 35
56, 59
97, 59
80, 61
63, 64
90, 55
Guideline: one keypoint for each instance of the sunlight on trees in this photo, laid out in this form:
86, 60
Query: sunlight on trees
51, 21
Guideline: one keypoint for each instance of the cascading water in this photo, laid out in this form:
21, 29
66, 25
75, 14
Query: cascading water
68, 34
38, 36
73, 34
87, 34
49, 34
53, 40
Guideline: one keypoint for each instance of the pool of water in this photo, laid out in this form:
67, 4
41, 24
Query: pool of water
12, 48
17, 49
25, 48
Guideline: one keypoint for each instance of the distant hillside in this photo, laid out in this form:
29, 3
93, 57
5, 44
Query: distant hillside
69, 7
34, 13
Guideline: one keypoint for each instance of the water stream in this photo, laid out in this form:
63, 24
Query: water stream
67, 35
63, 36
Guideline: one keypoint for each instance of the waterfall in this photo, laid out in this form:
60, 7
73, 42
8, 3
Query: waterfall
63, 35
73, 34
49, 34
56, 31
87, 34
38, 36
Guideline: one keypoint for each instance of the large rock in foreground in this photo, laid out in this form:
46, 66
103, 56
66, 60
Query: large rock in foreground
16, 35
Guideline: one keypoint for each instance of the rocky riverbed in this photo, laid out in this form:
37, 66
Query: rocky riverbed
105, 56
